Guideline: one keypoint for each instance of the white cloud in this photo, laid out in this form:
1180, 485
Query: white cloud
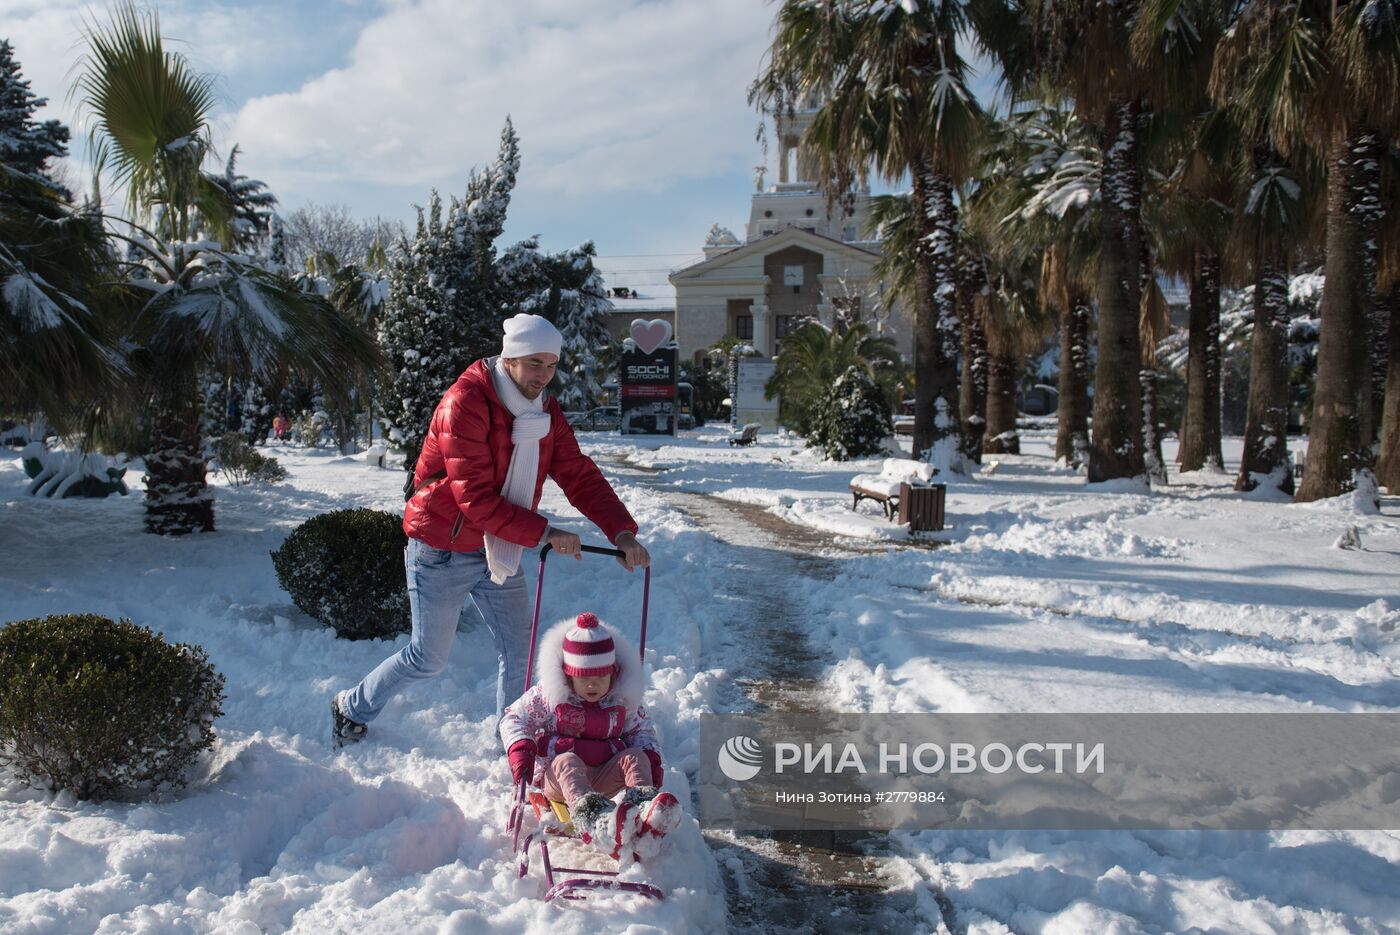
605, 94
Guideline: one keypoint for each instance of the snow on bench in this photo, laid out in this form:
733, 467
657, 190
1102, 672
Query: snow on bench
883, 488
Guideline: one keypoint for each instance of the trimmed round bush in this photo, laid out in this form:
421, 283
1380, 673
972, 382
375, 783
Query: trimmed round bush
345, 568
100, 708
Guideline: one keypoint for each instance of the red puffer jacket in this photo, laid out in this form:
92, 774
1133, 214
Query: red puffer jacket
470, 437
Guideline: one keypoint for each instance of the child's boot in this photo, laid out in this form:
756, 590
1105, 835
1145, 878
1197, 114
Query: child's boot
660, 816
659, 812
607, 826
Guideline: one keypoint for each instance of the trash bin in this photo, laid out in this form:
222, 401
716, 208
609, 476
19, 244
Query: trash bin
922, 507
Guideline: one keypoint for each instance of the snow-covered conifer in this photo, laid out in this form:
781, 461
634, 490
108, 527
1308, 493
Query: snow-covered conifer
576, 301
853, 418
449, 292
251, 207
26, 146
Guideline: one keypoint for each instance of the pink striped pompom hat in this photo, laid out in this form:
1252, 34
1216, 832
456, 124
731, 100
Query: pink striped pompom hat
588, 649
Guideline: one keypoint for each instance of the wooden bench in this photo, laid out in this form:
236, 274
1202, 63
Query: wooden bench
900, 482
747, 436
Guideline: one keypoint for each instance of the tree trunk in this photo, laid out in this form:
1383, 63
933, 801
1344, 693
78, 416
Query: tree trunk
178, 500
1116, 448
936, 334
1265, 457
1336, 448
1388, 464
1072, 412
1003, 375
1151, 435
972, 392
1377, 346
1200, 425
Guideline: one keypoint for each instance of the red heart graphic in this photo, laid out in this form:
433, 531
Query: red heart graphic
649, 335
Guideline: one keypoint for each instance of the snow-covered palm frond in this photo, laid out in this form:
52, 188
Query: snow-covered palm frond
1275, 197
223, 312
1072, 184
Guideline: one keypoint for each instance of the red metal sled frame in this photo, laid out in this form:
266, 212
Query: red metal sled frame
586, 881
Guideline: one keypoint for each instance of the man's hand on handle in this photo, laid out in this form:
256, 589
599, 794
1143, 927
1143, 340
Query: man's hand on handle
565, 543
634, 555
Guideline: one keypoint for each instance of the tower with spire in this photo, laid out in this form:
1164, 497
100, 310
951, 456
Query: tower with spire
803, 256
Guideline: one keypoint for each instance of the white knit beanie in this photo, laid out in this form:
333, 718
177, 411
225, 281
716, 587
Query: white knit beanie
530, 334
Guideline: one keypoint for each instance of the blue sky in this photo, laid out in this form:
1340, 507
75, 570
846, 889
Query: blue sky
635, 130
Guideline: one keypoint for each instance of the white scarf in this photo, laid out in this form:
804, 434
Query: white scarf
531, 424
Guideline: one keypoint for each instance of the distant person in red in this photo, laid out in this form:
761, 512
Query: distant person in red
493, 439
279, 427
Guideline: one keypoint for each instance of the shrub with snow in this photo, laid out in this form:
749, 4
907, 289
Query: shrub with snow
852, 419
241, 463
345, 568
99, 708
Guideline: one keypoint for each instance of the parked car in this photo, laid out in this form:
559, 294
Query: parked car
599, 419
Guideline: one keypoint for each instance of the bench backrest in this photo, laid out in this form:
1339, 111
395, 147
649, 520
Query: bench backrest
915, 472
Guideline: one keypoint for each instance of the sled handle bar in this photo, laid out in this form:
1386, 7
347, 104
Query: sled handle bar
595, 549
539, 592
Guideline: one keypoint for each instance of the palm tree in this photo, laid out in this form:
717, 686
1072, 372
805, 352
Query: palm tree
1153, 326
1194, 217
1016, 325
1117, 63
891, 221
814, 356
1329, 71
1040, 198
974, 374
194, 306
896, 97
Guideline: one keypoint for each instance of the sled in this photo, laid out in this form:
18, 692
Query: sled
552, 818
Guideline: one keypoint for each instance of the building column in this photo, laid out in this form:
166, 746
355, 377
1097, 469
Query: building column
762, 332
826, 314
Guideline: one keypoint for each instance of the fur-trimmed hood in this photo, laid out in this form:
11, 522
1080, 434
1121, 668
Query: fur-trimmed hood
628, 686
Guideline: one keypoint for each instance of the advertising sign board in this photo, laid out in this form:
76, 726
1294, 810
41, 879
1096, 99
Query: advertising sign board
647, 391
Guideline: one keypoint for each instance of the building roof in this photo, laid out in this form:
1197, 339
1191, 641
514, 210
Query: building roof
788, 236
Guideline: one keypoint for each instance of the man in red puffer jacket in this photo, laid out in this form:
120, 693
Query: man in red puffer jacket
493, 439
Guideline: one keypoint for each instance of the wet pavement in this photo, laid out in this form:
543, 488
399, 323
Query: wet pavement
786, 882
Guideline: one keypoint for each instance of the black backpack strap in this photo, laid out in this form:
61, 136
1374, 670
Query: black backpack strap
427, 481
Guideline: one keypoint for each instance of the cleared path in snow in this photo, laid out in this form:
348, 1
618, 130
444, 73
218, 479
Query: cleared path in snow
788, 881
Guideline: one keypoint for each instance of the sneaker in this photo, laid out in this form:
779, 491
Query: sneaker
344, 730
608, 826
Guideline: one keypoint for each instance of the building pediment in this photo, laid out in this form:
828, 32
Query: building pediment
744, 257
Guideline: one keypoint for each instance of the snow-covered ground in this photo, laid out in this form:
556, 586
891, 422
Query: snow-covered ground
1048, 597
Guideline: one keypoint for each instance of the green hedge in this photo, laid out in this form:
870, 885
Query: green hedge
345, 568
101, 708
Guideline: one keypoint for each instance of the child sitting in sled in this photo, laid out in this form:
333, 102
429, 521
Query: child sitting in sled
581, 733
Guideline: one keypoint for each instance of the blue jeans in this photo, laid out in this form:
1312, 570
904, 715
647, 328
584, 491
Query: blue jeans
439, 583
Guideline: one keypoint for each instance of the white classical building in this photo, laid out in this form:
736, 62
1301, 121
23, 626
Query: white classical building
801, 258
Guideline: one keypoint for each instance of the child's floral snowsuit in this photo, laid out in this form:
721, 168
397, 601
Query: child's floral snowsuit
558, 722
